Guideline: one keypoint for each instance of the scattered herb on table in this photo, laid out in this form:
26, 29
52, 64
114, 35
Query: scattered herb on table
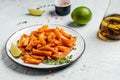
74, 48
23, 22
58, 61
74, 37
45, 6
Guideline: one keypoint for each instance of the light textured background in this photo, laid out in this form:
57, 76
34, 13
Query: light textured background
100, 61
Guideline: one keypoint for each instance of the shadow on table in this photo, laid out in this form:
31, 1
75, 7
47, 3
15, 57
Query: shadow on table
52, 13
25, 70
74, 25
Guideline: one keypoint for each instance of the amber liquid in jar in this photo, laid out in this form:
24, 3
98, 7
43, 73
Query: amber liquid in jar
110, 27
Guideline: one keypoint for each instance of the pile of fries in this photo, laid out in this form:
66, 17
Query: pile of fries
45, 43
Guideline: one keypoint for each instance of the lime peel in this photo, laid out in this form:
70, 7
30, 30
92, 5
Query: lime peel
81, 15
15, 51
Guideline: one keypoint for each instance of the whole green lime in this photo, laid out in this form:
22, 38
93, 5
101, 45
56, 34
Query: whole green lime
81, 15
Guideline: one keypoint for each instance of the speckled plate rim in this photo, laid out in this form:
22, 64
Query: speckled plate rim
80, 46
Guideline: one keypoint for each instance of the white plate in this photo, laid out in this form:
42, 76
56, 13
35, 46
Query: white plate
80, 45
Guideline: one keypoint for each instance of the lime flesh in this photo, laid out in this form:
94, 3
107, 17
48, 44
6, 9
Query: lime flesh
15, 51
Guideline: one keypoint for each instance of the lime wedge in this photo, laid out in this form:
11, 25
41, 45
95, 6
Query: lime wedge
15, 51
36, 12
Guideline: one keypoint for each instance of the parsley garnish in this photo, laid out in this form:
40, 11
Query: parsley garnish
58, 61
74, 48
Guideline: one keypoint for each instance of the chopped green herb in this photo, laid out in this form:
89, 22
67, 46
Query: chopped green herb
74, 48
70, 57
48, 5
25, 21
22, 22
52, 4
58, 61
74, 37
45, 6
38, 8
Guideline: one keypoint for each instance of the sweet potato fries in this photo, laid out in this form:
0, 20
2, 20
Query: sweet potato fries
45, 43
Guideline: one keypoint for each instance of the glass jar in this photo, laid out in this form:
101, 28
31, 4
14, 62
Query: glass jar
110, 25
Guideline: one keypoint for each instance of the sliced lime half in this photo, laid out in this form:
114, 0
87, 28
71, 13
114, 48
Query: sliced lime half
36, 12
15, 51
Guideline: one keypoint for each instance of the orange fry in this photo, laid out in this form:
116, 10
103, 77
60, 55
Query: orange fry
65, 34
62, 48
38, 57
32, 61
68, 42
41, 53
43, 28
61, 55
46, 48
58, 34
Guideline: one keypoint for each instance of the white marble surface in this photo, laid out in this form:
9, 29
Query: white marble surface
100, 61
